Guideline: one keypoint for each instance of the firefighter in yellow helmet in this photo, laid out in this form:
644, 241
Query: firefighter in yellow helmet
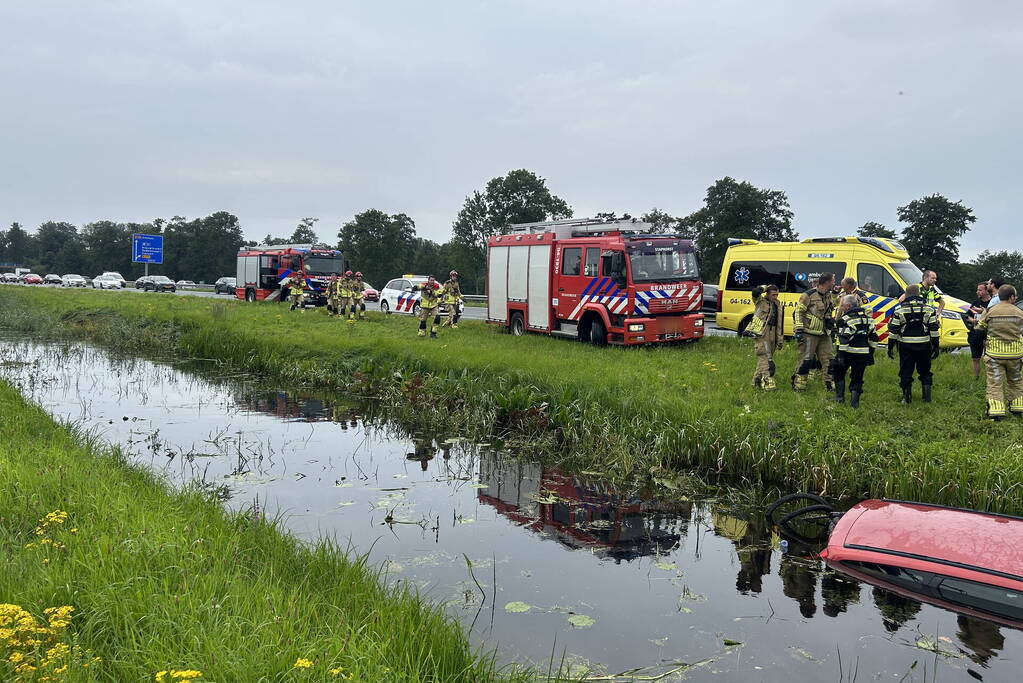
345, 295
451, 295
857, 339
914, 329
429, 305
296, 290
766, 328
358, 297
814, 322
1002, 327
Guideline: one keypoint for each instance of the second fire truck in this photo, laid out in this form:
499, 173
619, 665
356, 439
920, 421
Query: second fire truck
606, 282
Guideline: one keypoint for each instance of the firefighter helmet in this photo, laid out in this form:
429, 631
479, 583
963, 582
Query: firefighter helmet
358, 275
453, 273
348, 273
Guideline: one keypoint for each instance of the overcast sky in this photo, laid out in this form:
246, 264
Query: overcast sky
274, 111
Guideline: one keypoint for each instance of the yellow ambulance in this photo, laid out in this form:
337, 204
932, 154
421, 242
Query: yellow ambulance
881, 267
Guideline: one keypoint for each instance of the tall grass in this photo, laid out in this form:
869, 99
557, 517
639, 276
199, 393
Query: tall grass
623, 411
165, 580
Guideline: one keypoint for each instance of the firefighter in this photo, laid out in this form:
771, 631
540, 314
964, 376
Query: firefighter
914, 329
814, 322
429, 305
358, 297
766, 329
851, 288
296, 289
857, 339
345, 294
333, 297
1002, 327
452, 296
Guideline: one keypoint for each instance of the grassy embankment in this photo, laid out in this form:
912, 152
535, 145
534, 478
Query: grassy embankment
623, 411
164, 581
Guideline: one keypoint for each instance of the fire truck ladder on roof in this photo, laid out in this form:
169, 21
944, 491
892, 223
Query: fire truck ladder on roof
578, 227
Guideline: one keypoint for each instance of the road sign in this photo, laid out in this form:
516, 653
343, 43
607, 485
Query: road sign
146, 248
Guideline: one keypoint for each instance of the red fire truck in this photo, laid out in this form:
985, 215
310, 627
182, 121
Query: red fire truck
261, 270
607, 282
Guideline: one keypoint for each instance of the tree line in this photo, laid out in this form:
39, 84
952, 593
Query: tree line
383, 246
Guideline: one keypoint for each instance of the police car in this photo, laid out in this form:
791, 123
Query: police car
397, 296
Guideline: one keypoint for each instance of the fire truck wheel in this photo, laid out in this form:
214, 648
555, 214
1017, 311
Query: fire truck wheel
598, 333
515, 326
250, 295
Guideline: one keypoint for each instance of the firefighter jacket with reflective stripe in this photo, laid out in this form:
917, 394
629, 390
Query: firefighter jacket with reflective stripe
333, 289
358, 289
429, 296
856, 332
930, 295
914, 322
1003, 325
813, 310
452, 292
766, 315
345, 287
296, 284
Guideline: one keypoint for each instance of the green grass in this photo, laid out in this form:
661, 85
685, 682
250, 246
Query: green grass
161, 579
626, 412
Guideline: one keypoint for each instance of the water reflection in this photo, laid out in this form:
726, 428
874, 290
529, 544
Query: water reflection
663, 577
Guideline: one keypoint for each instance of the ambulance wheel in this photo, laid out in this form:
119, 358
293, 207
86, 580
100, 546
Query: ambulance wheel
384, 308
415, 309
250, 295
516, 327
598, 333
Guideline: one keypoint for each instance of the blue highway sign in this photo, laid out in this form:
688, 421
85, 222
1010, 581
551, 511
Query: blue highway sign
147, 248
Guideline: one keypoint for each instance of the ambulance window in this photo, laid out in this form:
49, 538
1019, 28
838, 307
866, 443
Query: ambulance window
803, 274
592, 262
745, 275
877, 280
572, 260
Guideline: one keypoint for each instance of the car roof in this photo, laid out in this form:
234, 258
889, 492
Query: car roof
954, 536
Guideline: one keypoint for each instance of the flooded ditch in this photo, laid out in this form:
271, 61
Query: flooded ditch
534, 562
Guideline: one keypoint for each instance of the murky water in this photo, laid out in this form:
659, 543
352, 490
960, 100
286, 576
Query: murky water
561, 564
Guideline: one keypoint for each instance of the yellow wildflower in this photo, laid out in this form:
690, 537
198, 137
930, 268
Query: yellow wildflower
302, 663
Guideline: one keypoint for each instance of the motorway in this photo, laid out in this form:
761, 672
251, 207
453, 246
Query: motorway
470, 313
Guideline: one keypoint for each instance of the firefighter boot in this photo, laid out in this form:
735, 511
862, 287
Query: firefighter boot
799, 382
995, 409
422, 329
757, 382
829, 383
907, 395
814, 374
1016, 407
433, 332
840, 392
770, 384
927, 392
854, 399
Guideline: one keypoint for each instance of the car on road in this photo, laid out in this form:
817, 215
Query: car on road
369, 292
107, 282
32, 279
118, 276
9, 277
72, 280
51, 279
397, 296
159, 283
225, 285
141, 282
185, 284
710, 298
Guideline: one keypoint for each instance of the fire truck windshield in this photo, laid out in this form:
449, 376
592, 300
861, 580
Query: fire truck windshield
322, 265
661, 260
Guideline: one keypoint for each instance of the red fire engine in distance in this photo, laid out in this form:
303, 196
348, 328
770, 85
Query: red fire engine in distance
261, 270
606, 282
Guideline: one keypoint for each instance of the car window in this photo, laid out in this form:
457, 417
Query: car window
900, 576
803, 274
877, 280
745, 275
571, 261
592, 262
991, 599
405, 284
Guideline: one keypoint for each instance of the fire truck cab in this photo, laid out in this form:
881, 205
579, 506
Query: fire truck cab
261, 270
606, 282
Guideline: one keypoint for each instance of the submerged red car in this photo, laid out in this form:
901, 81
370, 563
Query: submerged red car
962, 560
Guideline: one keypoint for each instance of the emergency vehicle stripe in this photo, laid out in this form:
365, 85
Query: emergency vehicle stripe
589, 287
